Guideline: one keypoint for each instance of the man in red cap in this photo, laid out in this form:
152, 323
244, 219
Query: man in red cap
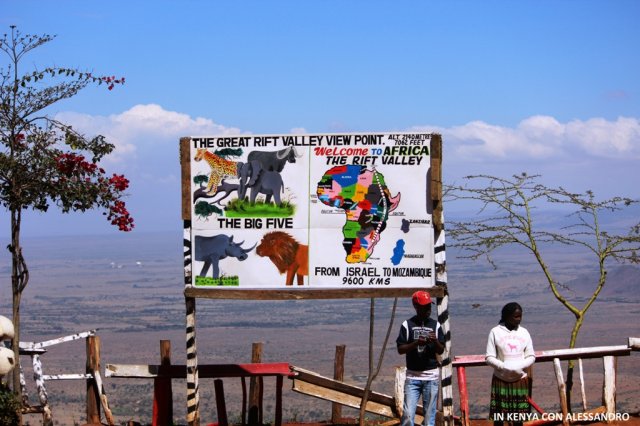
420, 340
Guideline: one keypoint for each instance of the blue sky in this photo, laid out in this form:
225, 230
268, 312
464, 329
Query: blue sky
548, 87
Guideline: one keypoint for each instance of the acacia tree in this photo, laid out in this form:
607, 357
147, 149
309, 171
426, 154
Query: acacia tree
507, 218
45, 162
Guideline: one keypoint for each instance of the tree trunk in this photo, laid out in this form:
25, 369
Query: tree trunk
570, 366
19, 278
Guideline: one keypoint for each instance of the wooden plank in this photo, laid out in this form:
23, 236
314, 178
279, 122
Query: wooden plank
185, 167
340, 397
325, 382
26, 348
103, 399
305, 293
70, 376
77, 336
144, 371
634, 343
550, 355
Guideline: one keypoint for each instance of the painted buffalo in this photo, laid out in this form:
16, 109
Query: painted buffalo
211, 249
287, 255
274, 161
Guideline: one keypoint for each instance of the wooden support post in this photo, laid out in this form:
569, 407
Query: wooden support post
279, 382
93, 364
193, 392
243, 417
47, 416
398, 390
338, 374
582, 391
609, 388
464, 396
255, 388
162, 392
562, 391
221, 405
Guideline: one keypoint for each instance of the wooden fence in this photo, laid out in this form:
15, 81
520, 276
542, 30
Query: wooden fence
96, 396
303, 381
607, 353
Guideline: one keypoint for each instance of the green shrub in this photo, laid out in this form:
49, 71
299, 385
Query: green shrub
9, 406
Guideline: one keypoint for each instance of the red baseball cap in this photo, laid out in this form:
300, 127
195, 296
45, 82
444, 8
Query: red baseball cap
421, 298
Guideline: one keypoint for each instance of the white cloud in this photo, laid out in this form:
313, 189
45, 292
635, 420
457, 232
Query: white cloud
143, 125
543, 137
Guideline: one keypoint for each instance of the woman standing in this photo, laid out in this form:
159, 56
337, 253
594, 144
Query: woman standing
509, 352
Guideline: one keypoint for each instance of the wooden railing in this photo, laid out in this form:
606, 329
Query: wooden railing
607, 353
96, 398
162, 375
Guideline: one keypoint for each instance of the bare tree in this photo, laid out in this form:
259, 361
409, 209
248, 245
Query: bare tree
507, 218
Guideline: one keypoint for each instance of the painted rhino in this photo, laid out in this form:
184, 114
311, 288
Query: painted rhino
211, 249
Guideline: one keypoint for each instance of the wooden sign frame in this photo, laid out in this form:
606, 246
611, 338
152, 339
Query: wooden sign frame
439, 291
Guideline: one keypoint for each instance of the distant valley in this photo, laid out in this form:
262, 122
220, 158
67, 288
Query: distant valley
130, 288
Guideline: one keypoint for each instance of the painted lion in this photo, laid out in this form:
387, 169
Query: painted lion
287, 254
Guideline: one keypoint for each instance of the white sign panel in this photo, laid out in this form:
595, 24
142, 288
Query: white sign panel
321, 211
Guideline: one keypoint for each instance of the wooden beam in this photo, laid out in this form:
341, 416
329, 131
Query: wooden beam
634, 343
299, 294
340, 397
175, 371
185, 167
549, 356
313, 384
70, 376
436, 181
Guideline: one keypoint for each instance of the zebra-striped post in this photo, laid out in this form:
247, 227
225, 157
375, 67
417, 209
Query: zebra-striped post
443, 319
193, 396
440, 261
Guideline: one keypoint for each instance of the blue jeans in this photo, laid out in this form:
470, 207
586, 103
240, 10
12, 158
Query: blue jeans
413, 389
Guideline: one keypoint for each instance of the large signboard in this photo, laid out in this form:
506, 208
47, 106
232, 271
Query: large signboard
312, 211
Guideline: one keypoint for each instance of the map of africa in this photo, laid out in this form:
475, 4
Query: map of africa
366, 201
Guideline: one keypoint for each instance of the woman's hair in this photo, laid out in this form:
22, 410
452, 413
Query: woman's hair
509, 309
